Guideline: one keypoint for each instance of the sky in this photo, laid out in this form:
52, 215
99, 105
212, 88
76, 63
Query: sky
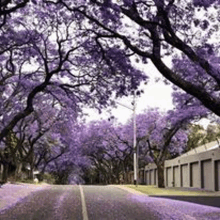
156, 94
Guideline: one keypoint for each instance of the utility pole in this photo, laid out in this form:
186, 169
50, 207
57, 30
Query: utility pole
134, 138
135, 141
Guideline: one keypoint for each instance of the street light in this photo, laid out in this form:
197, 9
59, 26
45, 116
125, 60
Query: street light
134, 137
135, 143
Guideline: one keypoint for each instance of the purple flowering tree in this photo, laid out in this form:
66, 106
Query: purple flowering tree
54, 55
38, 139
110, 158
161, 136
78, 53
186, 31
46, 58
71, 165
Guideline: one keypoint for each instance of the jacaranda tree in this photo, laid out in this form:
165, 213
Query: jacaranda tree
51, 53
163, 135
77, 53
153, 30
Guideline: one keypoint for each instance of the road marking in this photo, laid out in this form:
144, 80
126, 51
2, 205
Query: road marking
84, 210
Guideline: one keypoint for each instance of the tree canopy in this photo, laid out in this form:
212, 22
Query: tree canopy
152, 30
59, 55
50, 54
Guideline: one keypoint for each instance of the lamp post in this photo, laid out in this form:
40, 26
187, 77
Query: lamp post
134, 138
135, 143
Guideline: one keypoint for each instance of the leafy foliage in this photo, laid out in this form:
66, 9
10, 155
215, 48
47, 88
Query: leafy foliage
186, 31
199, 136
58, 56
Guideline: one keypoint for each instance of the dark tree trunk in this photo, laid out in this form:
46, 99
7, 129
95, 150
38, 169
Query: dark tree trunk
160, 172
31, 174
18, 171
41, 175
5, 172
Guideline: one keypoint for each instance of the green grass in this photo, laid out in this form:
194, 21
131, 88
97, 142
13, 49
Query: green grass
153, 190
26, 181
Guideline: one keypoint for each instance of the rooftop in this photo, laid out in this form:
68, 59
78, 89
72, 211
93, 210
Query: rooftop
206, 147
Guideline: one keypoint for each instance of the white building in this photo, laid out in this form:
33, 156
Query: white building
198, 168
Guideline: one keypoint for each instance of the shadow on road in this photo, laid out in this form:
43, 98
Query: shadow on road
203, 200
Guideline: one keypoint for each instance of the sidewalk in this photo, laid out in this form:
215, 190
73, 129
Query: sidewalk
10, 194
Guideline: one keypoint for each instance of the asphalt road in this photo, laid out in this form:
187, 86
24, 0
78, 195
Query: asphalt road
102, 203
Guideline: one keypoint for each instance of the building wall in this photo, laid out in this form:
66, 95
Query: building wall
200, 170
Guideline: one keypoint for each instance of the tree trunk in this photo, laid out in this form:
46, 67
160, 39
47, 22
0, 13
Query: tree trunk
18, 171
5, 172
1, 169
31, 174
41, 175
125, 174
160, 172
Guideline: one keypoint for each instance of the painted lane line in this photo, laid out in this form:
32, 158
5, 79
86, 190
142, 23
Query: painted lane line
84, 210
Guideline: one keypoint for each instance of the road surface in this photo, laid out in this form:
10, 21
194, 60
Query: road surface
102, 203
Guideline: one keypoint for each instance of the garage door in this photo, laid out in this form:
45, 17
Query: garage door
195, 175
176, 173
185, 175
207, 175
217, 175
169, 177
146, 178
152, 177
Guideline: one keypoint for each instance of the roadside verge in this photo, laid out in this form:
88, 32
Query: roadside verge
10, 194
192, 195
155, 191
134, 191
